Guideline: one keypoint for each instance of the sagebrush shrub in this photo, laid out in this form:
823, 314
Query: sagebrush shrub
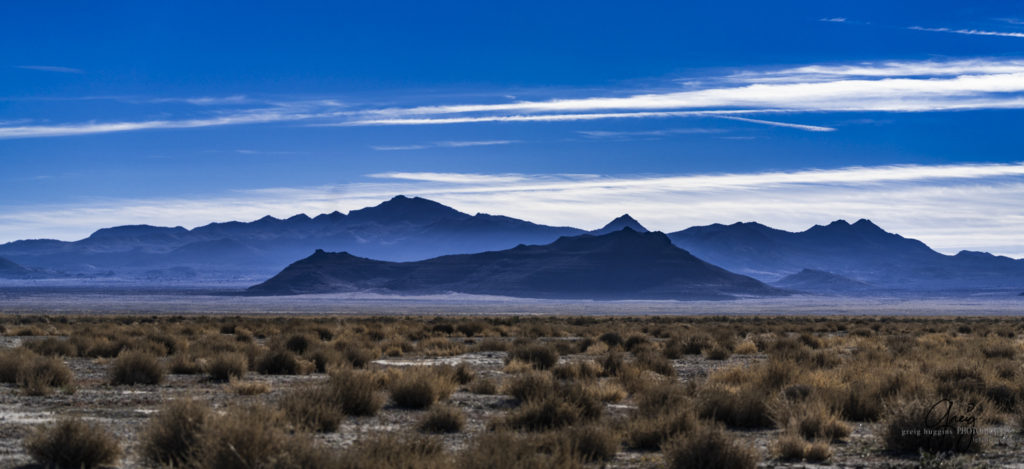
72, 443
171, 436
136, 367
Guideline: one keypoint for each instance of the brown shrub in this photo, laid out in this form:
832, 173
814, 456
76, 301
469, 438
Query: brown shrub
818, 452
135, 367
248, 437
542, 414
11, 361
399, 451
312, 408
661, 398
225, 366
72, 443
811, 419
418, 387
531, 385
52, 347
171, 436
708, 446
442, 419
541, 356
483, 386
745, 407
279, 362
790, 447
594, 442
356, 390
184, 364
507, 450
650, 432
248, 388
37, 375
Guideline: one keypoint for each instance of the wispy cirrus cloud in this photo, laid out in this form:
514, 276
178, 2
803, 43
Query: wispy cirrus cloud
809, 128
444, 144
617, 134
969, 32
50, 68
748, 95
892, 86
285, 113
950, 207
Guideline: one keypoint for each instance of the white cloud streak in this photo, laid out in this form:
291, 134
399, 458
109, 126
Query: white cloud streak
809, 128
970, 32
262, 116
922, 86
950, 207
445, 144
50, 68
893, 86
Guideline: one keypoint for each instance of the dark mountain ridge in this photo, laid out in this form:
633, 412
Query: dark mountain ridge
624, 264
413, 228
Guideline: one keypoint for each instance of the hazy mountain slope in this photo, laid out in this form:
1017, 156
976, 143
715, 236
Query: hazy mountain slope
860, 251
818, 281
400, 229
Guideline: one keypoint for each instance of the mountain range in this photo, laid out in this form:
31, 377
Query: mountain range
836, 258
624, 264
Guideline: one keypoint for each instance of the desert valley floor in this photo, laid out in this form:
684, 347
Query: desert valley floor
341, 381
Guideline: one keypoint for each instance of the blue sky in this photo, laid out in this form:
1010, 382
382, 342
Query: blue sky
182, 113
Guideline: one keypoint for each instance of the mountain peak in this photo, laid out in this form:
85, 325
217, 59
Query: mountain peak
400, 208
624, 221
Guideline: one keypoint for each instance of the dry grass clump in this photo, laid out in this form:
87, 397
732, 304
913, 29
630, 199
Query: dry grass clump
708, 446
225, 366
747, 347
52, 347
650, 432
483, 386
743, 407
37, 375
648, 358
594, 442
248, 388
388, 450
11, 361
298, 343
418, 387
184, 364
172, 434
790, 447
280, 362
531, 385
72, 443
542, 414
442, 419
248, 437
357, 355
356, 390
507, 450
312, 408
811, 419
584, 369
818, 452
541, 356
136, 367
